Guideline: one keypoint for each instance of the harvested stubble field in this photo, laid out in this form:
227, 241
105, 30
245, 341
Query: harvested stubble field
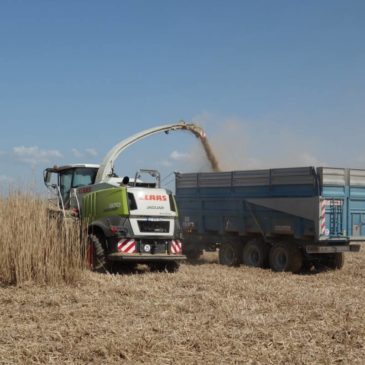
204, 314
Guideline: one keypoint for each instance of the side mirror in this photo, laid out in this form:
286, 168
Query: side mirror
46, 177
125, 180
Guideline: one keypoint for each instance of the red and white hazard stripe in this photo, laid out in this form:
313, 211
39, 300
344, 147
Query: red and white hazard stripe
323, 217
176, 247
127, 245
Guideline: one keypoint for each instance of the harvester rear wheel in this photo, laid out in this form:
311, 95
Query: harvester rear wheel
230, 253
95, 255
256, 253
286, 256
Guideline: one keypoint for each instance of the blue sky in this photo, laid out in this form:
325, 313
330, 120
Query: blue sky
273, 83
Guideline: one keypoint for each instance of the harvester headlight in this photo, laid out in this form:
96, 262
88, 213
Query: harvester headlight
147, 248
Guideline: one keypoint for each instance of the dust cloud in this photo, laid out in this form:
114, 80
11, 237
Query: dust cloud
236, 144
247, 145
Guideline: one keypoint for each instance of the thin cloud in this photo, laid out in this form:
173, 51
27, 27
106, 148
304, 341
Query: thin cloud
166, 163
91, 151
77, 153
179, 156
4, 179
175, 158
34, 155
307, 159
87, 152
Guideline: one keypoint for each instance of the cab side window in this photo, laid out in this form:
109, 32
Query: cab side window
65, 184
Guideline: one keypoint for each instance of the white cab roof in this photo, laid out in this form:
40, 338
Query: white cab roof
71, 166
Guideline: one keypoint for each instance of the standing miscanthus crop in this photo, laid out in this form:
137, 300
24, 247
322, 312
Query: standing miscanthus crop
35, 248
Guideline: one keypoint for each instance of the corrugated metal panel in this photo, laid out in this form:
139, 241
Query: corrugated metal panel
332, 176
287, 176
215, 179
251, 178
357, 177
292, 176
186, 180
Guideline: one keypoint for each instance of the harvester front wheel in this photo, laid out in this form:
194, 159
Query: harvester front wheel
95, 255
285, 256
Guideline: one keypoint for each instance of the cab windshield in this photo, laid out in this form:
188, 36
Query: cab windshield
74, 178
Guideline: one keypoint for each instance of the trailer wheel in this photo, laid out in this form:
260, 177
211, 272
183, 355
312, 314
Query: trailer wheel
95, 255
256, 253
333, 261
230, 253
285, 256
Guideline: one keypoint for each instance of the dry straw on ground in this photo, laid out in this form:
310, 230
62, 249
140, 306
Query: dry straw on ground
203, 314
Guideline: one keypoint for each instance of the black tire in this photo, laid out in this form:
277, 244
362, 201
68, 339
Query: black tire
285, 256
256, 253
169, 266
193, 255
95, 255
308, 265
230, 253
121, 267
333, 261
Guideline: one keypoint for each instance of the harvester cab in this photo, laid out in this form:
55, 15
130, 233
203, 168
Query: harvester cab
60, 180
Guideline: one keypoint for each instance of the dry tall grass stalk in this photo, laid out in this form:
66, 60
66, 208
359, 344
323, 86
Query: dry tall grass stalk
34, 248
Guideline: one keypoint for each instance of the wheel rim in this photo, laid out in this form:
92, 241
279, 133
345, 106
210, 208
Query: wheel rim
281, 259
254, 256
228, 254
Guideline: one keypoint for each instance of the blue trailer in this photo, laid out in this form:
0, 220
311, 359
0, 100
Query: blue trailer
285, 218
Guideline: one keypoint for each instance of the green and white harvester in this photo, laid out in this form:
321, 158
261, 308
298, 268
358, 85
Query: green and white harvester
126, 220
